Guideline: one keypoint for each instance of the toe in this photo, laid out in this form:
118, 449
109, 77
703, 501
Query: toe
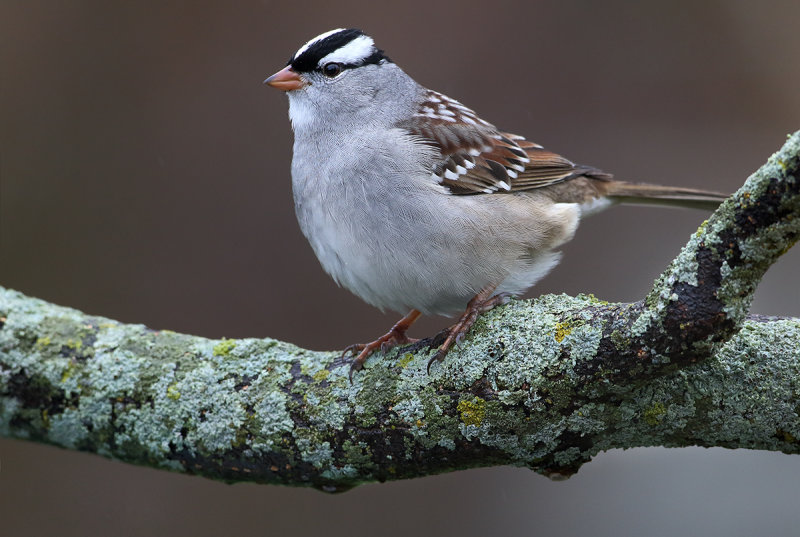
438, 357
357, 365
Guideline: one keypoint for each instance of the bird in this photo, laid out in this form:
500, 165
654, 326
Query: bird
416, 204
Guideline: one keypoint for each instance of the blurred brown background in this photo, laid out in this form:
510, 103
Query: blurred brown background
144, 176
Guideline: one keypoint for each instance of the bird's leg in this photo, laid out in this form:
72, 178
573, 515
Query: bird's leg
482, 302
394, 337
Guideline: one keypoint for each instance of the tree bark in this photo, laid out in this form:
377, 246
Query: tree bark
544, 383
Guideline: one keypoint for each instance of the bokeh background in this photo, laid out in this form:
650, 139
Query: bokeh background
144, 176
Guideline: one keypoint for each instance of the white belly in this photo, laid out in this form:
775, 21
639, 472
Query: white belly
400, 241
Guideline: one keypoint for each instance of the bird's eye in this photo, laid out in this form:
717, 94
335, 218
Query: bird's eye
331, 69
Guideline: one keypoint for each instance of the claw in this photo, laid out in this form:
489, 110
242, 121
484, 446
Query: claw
482, 302
351, 349
394, 337
355, 366
506, 298
438, 357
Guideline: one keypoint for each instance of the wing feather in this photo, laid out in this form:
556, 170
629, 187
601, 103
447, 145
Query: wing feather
478, 158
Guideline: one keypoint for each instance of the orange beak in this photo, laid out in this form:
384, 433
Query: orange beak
286, 80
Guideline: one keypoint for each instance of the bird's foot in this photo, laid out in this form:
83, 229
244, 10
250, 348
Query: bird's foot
482, 302
394, 337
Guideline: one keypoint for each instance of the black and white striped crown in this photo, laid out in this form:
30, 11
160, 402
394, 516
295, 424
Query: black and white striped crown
348, 47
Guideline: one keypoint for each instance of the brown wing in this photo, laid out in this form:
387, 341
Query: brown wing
477, 158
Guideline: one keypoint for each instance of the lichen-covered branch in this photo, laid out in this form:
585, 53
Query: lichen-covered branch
545, 383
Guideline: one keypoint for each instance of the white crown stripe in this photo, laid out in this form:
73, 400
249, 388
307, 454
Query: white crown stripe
310, 42
357, 50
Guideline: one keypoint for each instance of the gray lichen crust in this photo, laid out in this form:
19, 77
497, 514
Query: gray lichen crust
546, 383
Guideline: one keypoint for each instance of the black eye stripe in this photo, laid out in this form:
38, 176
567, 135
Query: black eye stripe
309, 59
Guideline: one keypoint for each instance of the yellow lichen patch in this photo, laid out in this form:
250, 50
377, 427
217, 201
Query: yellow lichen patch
472, 412
596, 300
224, 347
701, 228
68, 371
562, 331
652, 416
173, 393
405, 360
321, 375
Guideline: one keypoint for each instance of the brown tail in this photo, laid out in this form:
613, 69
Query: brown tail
642, 193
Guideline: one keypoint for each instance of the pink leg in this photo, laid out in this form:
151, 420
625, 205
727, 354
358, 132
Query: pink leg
480, 303
394, 337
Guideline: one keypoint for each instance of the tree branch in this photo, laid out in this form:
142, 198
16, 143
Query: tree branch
546, 383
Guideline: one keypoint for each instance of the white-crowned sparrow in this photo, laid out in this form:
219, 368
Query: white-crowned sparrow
413, 202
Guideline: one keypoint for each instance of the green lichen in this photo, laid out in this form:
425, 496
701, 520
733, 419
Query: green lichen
322, 403
382, 381
619, 340
273, 420
436, 425
410, 411
358, 454
315, 451
224, 347
472, 411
